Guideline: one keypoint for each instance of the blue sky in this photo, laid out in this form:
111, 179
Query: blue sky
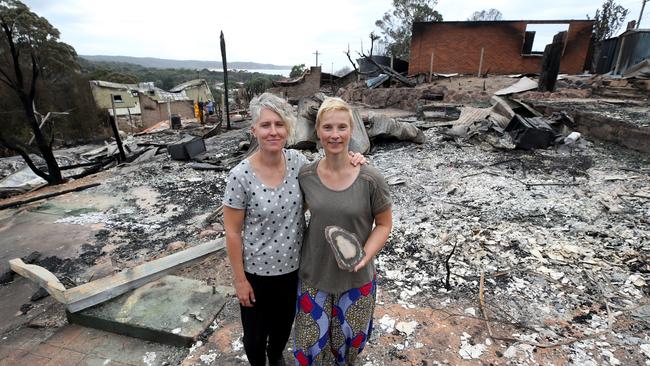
281, 32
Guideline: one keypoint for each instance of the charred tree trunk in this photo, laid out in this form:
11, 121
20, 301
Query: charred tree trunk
27, 97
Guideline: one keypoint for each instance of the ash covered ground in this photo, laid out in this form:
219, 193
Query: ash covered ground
496, 256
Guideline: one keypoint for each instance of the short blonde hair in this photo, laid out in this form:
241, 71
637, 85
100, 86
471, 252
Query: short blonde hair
276, 104
334, 104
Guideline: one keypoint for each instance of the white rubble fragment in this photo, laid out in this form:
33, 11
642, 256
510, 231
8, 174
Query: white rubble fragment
209, 358
387, 323
470, 311
176, 330
636, 280
581, 357
242, 358
418, 345
185, 319
468, 351
237, 345
149, 358
645, 348
538, 254
195, 346
214, 325
520, 351
608, 355
407, 327
393, 274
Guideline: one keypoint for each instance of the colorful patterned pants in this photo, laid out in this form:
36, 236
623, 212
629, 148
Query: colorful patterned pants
332, 329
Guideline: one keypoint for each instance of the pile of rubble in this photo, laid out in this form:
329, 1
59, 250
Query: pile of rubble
549, 246
501, 252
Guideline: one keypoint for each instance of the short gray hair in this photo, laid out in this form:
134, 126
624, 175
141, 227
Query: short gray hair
276, 104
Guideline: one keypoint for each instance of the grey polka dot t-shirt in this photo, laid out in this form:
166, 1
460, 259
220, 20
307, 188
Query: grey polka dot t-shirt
274, 221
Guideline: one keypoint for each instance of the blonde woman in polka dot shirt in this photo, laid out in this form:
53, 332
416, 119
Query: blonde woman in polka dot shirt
264, 223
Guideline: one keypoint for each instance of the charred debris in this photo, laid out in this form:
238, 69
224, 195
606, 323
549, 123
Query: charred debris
522, 213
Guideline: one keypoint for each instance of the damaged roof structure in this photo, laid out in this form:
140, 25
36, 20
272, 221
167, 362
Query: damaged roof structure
197, 90
143, 105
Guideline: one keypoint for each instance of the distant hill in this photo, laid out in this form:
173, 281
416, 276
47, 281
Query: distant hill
161, 63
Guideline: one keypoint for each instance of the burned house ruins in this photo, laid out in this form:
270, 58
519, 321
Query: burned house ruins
521, 230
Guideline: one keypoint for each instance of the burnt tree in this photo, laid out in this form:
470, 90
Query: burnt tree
30, 51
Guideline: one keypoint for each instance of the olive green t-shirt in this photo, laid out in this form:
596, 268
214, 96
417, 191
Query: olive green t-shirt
352, 209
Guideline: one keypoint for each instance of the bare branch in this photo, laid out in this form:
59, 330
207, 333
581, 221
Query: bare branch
23, 153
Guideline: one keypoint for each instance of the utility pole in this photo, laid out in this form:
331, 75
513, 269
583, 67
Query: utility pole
641, 13
116, 132
225, 80
332, 78
316, 53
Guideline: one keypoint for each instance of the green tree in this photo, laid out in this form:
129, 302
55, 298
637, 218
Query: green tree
397, 24
31, 53
297, 70
486, 14
608, 20
256, 86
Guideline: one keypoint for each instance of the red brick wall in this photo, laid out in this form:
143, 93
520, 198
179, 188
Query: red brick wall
457, 47
308, 87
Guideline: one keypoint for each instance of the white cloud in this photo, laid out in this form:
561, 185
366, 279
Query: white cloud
282, 32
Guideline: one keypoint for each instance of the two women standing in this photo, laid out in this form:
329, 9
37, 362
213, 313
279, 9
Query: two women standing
264, 222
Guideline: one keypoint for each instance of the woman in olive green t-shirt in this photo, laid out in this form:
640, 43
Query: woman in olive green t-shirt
335, 306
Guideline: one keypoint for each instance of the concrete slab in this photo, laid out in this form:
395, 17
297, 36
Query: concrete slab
173, 310
72, 345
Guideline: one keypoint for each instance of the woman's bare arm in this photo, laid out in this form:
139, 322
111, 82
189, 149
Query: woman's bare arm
233, 220
377, 238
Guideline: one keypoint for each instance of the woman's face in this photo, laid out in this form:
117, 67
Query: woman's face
270, 130
335, 131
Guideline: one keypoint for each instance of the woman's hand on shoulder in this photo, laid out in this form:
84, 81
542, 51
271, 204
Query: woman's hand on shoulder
357, 159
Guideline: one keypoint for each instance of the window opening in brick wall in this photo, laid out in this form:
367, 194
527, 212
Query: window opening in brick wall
537, 36
117, 98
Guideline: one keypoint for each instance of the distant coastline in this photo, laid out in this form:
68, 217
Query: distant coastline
282, 72
161, 63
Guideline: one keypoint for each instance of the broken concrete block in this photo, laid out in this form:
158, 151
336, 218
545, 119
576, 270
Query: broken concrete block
360, 142
304, 136
172, 310
345, 245
385, 127
407, 327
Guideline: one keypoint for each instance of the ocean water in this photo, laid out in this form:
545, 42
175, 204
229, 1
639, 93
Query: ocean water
284, 73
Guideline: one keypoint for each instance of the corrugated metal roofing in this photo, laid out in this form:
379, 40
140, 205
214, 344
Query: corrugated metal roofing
145, 88
187, 84
108, 84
